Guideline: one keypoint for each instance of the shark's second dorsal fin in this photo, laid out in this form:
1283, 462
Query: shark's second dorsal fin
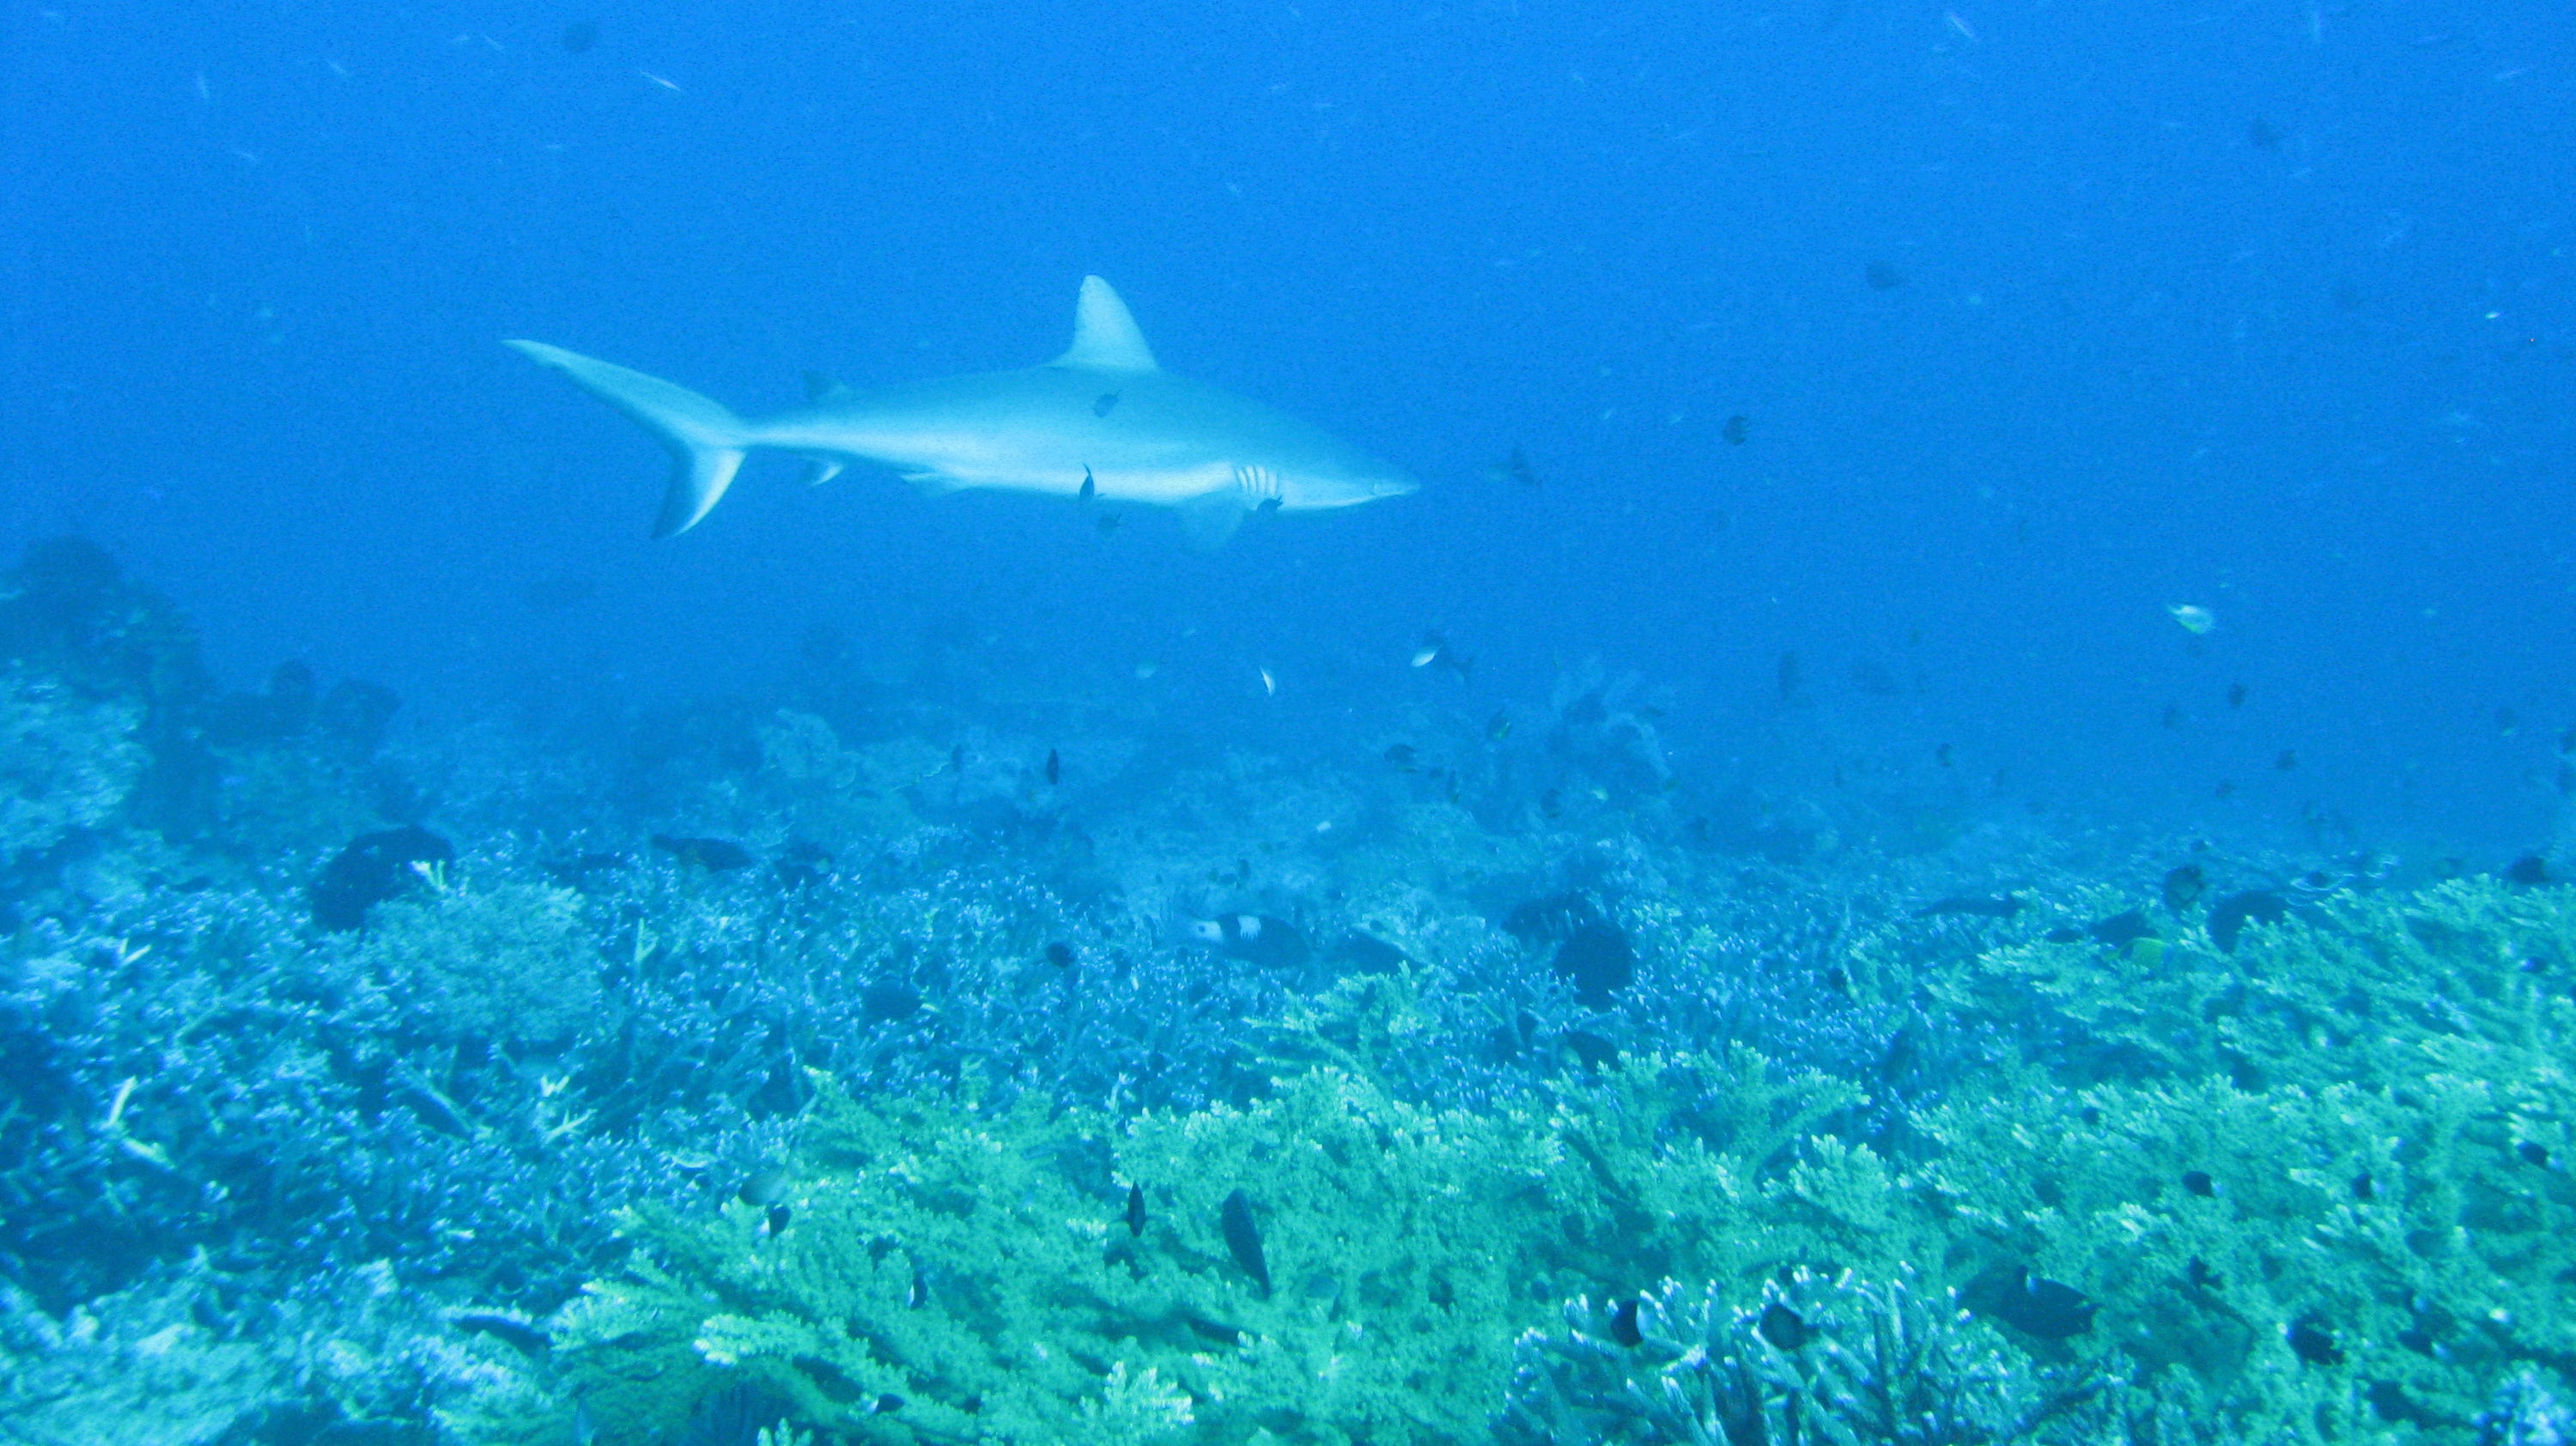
1105, 337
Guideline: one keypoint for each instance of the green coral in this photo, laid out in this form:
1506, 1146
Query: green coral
1843, 1360
66, 763
977, 1268
2320, 1185
509, 962
2314, 1190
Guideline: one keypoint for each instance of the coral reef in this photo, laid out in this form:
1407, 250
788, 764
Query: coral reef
2309, 1189
188, 1358
1843, 1360
2319, 1183
879, 1065
2526, 1413
512, 963
189, 1076
1037, 1274
65, 764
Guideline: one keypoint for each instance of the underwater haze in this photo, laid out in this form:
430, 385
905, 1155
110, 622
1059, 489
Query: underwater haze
2042, 319
1968, 737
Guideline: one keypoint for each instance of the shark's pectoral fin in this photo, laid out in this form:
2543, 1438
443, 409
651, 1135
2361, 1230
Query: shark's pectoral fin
1210, 518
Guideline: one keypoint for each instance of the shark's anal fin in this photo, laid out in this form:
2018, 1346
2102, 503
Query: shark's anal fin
1105, 337
1210, 518
819, 470
706, 441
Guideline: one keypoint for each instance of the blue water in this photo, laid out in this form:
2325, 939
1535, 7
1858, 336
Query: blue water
2042, 318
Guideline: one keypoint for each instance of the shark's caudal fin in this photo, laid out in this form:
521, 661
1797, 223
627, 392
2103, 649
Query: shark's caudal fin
706, 441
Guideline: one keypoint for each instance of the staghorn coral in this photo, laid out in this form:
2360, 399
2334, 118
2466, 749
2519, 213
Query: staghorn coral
976, 1012
185, 1073
2318, 1185
1843, 1360
960, 1265
1748, 961
740, 989
972, 1262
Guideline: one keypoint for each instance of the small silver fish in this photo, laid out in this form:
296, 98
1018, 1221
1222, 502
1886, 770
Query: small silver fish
1435, 649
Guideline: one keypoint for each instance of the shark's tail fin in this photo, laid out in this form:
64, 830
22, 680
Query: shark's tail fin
706, 441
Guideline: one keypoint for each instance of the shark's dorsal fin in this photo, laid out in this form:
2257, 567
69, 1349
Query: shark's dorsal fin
1105, 337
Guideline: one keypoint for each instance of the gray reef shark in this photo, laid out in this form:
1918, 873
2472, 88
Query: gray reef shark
1100, 421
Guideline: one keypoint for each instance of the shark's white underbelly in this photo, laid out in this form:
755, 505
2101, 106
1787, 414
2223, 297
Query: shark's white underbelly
956, 462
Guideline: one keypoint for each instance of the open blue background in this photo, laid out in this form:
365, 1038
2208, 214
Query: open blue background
2262, 306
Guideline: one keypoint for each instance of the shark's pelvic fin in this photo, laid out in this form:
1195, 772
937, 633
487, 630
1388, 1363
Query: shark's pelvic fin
824, 387
705, 440
1105, 337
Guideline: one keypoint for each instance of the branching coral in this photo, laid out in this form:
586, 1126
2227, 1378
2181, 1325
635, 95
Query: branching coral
977, 1270
2283, 1169
1845, 1361
981, 1268
2319, 1185
190, 1076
